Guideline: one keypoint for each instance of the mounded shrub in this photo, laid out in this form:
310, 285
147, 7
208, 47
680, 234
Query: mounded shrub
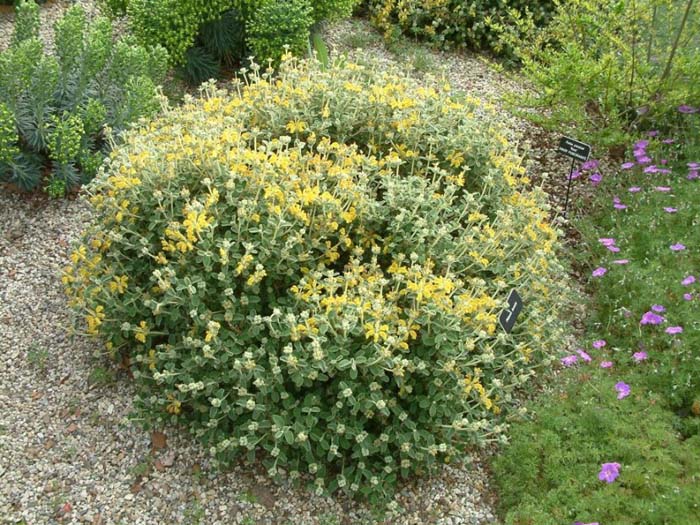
310, 268
54, 108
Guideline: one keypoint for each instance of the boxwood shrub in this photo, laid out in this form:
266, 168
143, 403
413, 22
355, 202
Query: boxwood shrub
309, 270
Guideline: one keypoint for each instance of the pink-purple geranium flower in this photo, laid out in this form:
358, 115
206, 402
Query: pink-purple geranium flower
688, 296
651, 318
658, 308
599, 272
685, 108
621, 261
623, 390
595, 179
587, 358
634, 189
678, 247
606, 364
600, 343
670, 209
688, 280
627, 165
673, 330
618, 205
609, 472
639, 356
569, 360
663, 189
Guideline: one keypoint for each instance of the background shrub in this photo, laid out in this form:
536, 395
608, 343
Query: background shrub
53, 109
610, 69
311, 269
276, 24
203, 36
453, 23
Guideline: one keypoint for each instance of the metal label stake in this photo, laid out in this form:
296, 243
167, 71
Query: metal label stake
577, 150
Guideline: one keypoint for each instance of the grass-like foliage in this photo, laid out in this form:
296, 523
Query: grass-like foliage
637, 401
54, 108
310, 269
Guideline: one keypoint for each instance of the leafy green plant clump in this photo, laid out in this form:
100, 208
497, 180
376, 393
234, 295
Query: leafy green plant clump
203, 37
454, 23
610, 69
54, 109
311, 268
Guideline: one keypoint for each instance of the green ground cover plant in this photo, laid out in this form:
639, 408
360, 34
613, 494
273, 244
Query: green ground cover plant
55, 108
627, 409
310, 268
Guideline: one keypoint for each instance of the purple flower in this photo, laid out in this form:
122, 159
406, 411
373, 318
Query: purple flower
606, 364
688, 280
607, 241
627, 165
641, 144
688, 296
595, 179
587, 358
639, 356
670, 209
613, 249
589, 165
609, 472
569, 360
651, 318
677, 247
693, 165
600, 343
634, 189
693, 175
621, 261
599, 272
684, 108
623, 390
617, 204
651, 169
673, 330
658, 308
575, 174
662, 188
643, 159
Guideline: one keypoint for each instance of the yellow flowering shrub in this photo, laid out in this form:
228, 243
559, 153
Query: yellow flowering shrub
311, 266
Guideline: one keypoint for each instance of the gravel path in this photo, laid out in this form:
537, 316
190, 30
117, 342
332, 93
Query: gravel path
68, 451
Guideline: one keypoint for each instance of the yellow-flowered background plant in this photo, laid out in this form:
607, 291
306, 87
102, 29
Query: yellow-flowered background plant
312, 265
